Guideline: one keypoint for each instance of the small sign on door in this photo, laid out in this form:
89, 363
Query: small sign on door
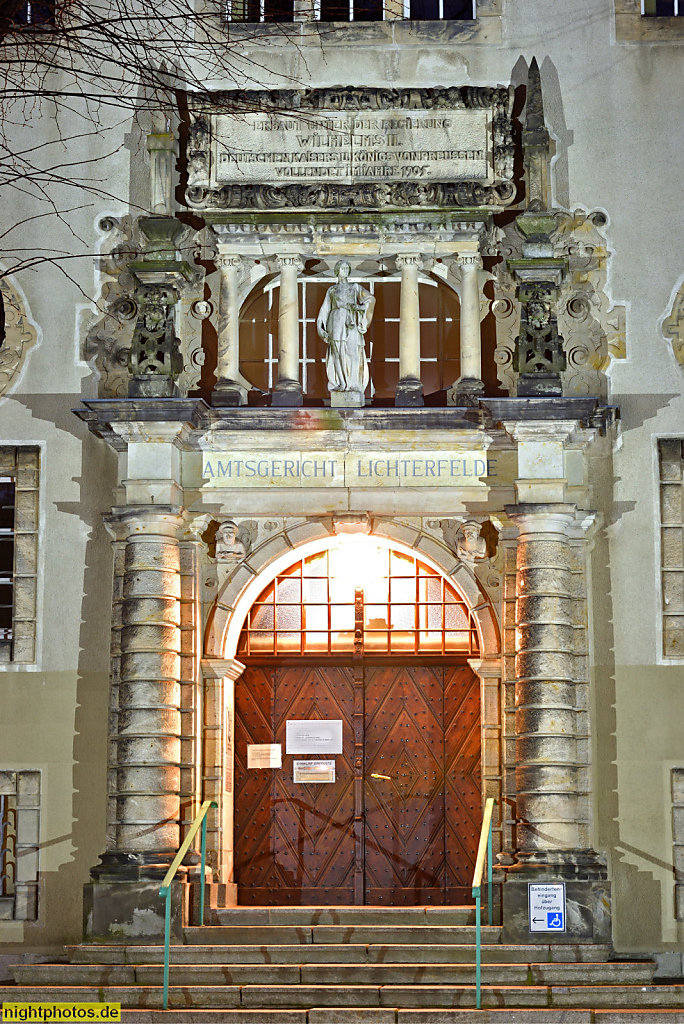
313, 771
547, 907
264, 755
313, 736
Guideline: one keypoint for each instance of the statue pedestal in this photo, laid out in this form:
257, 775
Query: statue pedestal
347, 400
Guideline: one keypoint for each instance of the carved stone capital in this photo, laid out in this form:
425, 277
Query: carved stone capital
410, 259
290, 261
469, 259
226, 262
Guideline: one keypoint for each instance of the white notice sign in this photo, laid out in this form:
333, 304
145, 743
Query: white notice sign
547, 907
313, 771
312, 736
264, 755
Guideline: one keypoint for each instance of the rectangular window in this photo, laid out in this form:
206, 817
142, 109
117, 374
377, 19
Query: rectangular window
677, 776
351, 10
35, 13
18, 553
662, 8
19, 845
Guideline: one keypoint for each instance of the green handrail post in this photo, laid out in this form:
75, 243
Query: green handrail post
165, 890
484, 848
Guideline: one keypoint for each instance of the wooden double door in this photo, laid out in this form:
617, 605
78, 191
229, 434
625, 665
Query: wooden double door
401, 822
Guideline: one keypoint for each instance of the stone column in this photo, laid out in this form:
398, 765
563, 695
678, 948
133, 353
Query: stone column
548, 831
163, 153
545, 716
146, 831
409, 389
229, 391
468, 389
288, 391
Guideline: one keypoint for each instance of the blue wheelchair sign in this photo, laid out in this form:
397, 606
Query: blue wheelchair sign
554, 920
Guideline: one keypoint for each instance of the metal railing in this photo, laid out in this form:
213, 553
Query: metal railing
485, 848
165, 891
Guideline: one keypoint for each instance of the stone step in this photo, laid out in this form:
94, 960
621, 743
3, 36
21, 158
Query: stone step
425, 998
637, 973
362, 1015
309, 916
327, 934
341, 953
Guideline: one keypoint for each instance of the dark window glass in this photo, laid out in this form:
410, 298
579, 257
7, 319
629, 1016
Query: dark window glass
35, 12
6, 558
279, 10
368, 10
334, 10
663, 8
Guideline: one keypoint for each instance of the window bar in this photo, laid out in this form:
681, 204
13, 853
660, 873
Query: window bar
351, 10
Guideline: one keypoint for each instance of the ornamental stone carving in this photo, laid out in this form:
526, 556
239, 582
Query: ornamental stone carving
592, 326
476, 158
234, 541
342, 323
20, 335
673, 326
126, 303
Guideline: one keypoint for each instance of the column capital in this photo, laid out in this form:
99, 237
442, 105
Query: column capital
554, 517
127, 521
409, 259
290, 260
469, 259
226, 261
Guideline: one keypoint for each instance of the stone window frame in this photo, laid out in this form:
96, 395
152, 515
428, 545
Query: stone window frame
22, 462
677, 795
631, 26
669, 630
23, 789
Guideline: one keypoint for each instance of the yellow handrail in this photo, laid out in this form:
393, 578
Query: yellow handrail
177, 860
482, 848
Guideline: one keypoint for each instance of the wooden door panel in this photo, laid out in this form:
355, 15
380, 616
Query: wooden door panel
404, 815
463, 800
300, 846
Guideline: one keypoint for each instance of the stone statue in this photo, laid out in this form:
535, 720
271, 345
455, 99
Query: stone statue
342, 322
233, 542
471, 546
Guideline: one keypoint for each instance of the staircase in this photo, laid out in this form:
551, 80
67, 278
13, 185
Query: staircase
355, 965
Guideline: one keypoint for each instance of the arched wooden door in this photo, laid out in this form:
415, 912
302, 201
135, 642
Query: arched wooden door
400, 823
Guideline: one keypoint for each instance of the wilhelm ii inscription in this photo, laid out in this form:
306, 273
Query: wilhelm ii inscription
353, 147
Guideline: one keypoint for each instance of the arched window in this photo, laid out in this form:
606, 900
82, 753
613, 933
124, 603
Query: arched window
440, 336
359, 596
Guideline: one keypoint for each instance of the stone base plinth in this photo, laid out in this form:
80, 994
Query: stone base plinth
228, 396
347, 400
216, 896
287, 399
588, 911
133, 912
539, 385
466, 393
152, 385
409, 394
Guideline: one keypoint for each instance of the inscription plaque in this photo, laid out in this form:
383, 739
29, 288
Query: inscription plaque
353, 147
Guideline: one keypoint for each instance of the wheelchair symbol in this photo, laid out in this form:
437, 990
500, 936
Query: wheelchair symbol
554, 920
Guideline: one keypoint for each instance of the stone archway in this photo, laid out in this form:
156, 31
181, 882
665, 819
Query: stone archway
238, 591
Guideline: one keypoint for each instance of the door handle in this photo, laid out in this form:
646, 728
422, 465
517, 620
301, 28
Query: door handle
374, 775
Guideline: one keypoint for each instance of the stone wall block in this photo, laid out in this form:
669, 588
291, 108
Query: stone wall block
543, 552
150, 722
150, 638
545, 608
149, 750
150, 693
544, 580
544, 665
545, 721
546, 778
542, 748
547, 835
545, 693
150, 665
542, 636
547, 807
148, 779
146, 808
151, 583
151, 554
161, 610
160, 838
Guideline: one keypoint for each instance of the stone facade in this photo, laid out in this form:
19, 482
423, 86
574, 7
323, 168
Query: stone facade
534, 481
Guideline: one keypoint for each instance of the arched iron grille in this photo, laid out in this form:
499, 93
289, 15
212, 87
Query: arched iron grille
401, 605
